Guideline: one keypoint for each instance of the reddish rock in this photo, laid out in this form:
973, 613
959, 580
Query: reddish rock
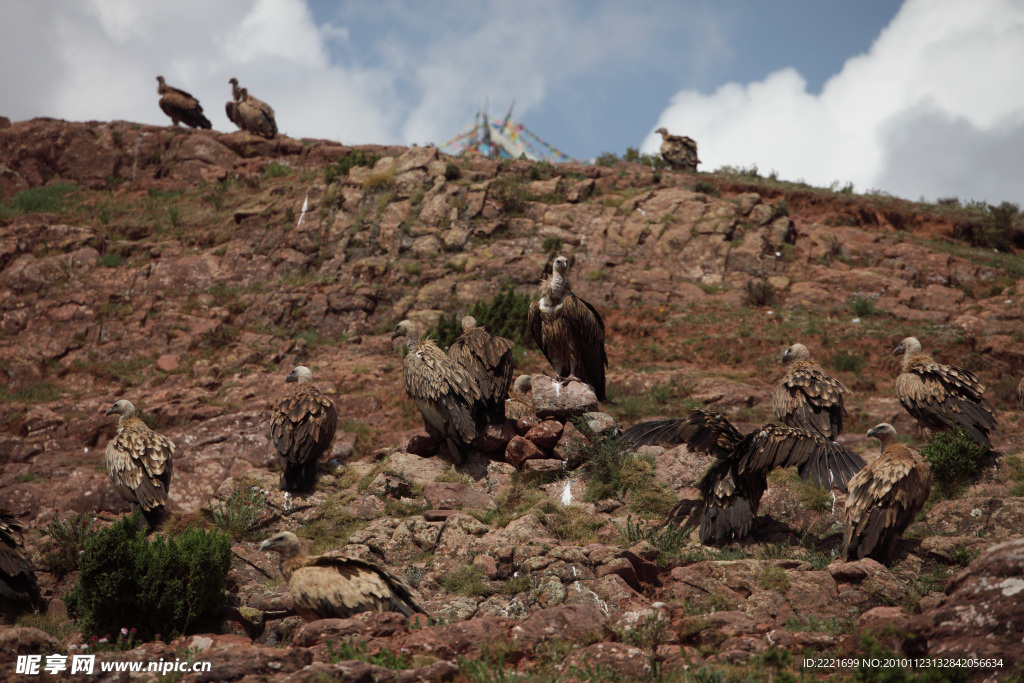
520, 450
561, 400
22, 640
439, 515
494, 437
565, 622
545, 434
316, 632
621, 567
543, 465
526, 423
571, 446
632, 663
423, 445
450, 496
390, 486
167, 362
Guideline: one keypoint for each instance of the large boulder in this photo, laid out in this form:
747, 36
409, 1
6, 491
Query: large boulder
562, 400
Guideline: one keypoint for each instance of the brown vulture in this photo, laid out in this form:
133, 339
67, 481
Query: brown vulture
884, 498
734, 483
139, 463
679, 151
519, 403
254, 116
489, 360
1020, 394
807, 398
231, 107
181, 106
302, 428
338, 587
942, 396
17, 577
569, 331
444, 391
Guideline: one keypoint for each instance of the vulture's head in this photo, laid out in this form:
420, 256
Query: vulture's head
908, 347
161, 86
795, 353
405, 329
123, 408
233, 81
561, 265
663, 132
523, 383
285, 543
468, 323
884, 432
301, 375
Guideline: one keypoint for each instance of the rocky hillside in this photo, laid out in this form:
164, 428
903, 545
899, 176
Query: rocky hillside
189, 271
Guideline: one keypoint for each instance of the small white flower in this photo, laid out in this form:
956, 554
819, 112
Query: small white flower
778, 254
104, 640
855, 321
124, 631
72, 647
771, 312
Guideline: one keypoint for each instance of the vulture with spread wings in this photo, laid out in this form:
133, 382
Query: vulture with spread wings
732, 487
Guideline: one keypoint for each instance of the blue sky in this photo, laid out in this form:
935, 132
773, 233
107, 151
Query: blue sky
912, 98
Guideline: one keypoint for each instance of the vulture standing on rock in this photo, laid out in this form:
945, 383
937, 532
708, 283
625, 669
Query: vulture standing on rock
807, 398
181, 106
253, 115
231, 107
17, 578
338, 587
884, 498
489, 360
444, 391
679, 151
942, 396
302, 428
569, 331
139, 463
733, 485
519, 403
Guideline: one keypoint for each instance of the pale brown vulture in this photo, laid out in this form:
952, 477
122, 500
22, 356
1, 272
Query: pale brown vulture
489, 360
679, 151
942, 396
884, 497
733, 485
519, 403
444, 391
231, 107
808, 398
18, 585
338, 587
181, 106
302, 427
254, 116
569, 331
139, 463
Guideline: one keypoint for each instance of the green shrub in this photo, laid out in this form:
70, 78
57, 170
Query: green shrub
346, 163
506, 315
510, 193
551, 245
164, 586
759, 293
844, 361
655, 161
955, 459
276, 170
466, 579
574, 524
999, 229
112, 260
779, 209
863, 306
451, 171
67, 539
774, 579
36, 200
608, 159
708, 188
244, 512
669, 540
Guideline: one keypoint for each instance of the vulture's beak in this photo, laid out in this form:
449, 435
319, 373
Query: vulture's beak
266, 544
111, 410
871, 432
290, 378
898, 351
395, 335
785, 356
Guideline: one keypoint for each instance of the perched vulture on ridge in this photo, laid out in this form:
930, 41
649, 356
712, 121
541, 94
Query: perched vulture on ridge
942, 396
679, 151
231, 107
519, 403
444, 391
17, 577
181, 106
139, 463
733, 485
807, 398
338, 587
884, 497
489, 360
253, 115
569, 331
302, 428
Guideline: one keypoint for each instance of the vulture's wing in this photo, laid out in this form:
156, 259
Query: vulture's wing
809, 399
537, 329
818, 459
139, 463
883, 500
340, 587
13, 559
730, 501
518, 405
303, 424
489, 360
231, 109
588, 328
704, 431
946, 395
180, 105
443, 391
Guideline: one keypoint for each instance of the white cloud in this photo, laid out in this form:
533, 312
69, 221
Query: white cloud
934, 108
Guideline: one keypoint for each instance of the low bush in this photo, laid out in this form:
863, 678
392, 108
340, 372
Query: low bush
955, 459
349, 161
506, 315
844, 361
36, 200
245, 510
759, 293
510, 193
168, 586
67, 539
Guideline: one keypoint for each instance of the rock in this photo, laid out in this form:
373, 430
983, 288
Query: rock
995, 519
520, 450
526, 423
631, 663
566, 622
494, 437
600, 422
543, 465
390, 486
316, 632
545, 434
570, 448
562, 400
423, 444
22, 640
167, 362
450, 496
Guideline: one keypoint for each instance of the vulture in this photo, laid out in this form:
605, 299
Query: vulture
17, 577
942, 396
884, 498
181, 106
139, 463
569, 331
254, 116
302, 428
519, 403
231, 107
1020, 394
338, 587
489, 360
679, 151
734, 483
807, 398
444, 391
